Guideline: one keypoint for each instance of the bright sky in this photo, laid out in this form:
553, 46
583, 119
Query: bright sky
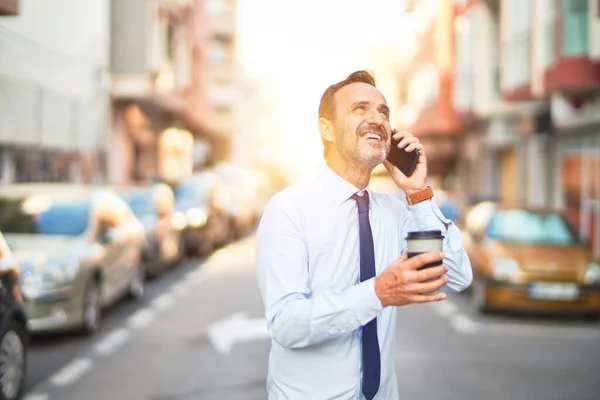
302, 47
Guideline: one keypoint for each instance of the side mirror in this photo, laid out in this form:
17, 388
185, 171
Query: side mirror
110, 236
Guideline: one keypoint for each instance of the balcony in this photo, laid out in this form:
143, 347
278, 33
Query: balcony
9, 7
570, 68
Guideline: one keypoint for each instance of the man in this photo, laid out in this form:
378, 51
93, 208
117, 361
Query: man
332, 327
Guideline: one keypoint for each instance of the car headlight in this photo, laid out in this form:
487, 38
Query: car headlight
196, 218
592, 273
178, 220
506, 268
56, 274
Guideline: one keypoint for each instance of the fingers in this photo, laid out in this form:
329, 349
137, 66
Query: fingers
422, 259
407, 141
398, 135
431, 286
426, 274
414, 146
424, 298
398, 261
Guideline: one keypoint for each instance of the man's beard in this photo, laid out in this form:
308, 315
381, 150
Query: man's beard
366, 154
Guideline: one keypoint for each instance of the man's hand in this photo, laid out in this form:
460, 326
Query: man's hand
402, 283
418, 180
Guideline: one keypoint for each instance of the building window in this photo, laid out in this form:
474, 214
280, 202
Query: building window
516, 65
575, 27
464, 77
550, 31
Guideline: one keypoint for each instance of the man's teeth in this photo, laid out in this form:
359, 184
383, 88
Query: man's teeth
373, 136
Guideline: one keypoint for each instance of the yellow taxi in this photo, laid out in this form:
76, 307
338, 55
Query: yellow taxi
531, 260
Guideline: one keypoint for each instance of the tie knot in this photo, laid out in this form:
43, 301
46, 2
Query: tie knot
362, 201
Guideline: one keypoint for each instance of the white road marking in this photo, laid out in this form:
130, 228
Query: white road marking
36, 396
163, 302
112, 341
181, 288
141, 318
191, 273
71, 372
196, 277
463, 324
224, 334
74, 370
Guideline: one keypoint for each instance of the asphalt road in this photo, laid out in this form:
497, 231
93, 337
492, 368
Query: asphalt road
198, 334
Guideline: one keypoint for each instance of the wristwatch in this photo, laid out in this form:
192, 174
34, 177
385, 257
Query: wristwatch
421, 195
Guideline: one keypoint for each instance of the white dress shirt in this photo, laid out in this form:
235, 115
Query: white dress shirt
315, 304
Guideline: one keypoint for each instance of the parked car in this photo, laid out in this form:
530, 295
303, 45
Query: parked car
14, 336
201, 202
79, 251
527, 259
154, 206
244, 202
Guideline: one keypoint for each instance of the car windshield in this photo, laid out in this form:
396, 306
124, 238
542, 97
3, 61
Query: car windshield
529, 227
44, 215
194, 190
140, 201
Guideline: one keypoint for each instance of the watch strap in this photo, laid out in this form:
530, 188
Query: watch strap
421, 195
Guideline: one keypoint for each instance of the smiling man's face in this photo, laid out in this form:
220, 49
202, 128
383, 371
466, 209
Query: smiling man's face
361, 127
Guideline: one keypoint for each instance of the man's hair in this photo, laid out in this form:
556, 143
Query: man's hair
327, 104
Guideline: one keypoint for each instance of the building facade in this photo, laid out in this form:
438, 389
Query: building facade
158, 87
533, 91
53, 95
225, 78
428, 85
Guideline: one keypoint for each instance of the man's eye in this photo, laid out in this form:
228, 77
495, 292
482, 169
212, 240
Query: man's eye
361, 108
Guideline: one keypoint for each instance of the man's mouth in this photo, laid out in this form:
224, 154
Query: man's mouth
373, 136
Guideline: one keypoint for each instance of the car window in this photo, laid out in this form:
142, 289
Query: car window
195, 190
529, 227
141, 202
44, 215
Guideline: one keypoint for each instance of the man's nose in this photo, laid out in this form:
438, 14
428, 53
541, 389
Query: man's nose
376, 118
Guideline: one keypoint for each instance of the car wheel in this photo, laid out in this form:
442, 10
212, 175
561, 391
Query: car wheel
479, 296
91, 308
13, 361
138, 284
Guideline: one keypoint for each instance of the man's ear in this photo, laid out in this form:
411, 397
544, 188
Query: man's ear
326, 129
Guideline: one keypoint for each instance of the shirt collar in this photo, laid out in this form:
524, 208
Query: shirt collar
339, 188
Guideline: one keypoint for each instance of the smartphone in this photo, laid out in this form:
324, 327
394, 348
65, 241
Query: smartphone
405, 161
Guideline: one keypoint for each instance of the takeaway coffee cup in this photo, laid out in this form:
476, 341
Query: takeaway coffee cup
423, 242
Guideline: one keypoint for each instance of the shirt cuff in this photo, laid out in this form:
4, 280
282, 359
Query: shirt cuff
427, 215
367, 304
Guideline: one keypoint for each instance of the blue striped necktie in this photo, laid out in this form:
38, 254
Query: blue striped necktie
371, 359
